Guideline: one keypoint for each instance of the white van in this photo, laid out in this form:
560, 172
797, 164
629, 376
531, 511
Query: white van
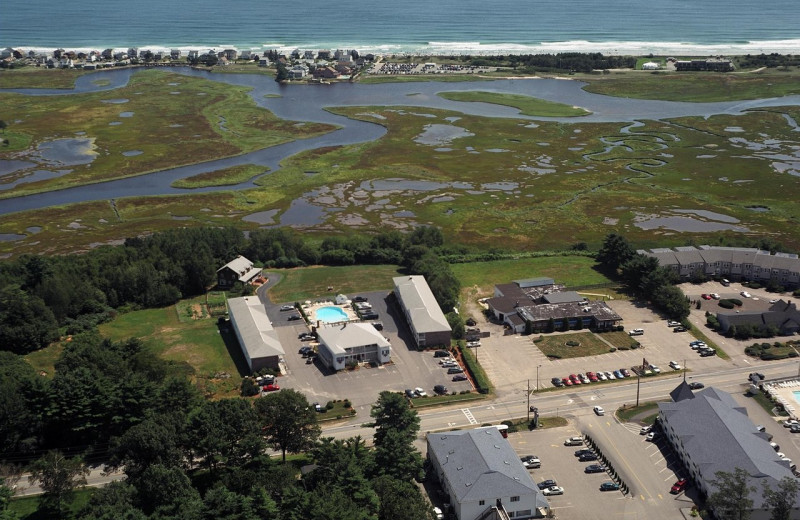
636, 332
574, 441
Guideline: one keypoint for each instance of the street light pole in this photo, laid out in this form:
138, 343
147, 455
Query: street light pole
528, 393
537, 377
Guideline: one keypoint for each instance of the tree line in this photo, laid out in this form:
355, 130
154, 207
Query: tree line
189, 458
44, 297
562, 61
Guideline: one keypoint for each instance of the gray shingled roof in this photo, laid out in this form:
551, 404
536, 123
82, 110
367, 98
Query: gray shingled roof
422, 307
717, 435
481, 464
243, 267
260, 339
341, 337
563, 297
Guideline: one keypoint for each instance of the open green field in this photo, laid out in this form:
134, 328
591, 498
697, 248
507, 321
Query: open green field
26, 507
569, 270
527, 105
198, 343
40, 77
305, 283
555, 345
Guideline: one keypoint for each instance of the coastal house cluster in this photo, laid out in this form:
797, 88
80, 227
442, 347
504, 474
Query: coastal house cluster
541, 305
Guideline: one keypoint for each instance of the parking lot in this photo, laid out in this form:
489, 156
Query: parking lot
642, 464
408, 369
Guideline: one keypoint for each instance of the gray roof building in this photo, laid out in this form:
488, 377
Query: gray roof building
425, 318
480, 470
343, 343
710, 432
259, 341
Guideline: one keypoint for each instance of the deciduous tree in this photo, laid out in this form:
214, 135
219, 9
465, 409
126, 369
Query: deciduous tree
58, 477
731, 500
288, 421
783, 500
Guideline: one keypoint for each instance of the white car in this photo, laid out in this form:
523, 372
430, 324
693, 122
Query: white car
788, 423
438, 513
554, 490
599, 410
671, 323
473, 343
715, 295
287, 307
601, 376
774, 301
745, 294
655, 369
645, 430
610, 376
675, 365
420, 392
651, 436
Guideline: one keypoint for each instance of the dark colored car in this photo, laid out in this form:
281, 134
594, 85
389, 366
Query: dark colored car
609, 486
679, 328
370, 316
756, 375
678, 486
707, 353
625, 372
410, 393
696, 385
359, 299
557, 382
582, 451
305, 350
460, 377
455, 370
441, 353
586, 457
546, 484
440, 389
293, 317
594, 468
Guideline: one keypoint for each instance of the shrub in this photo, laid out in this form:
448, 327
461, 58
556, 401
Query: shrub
613, 349
735, 301
572, 343
793, 354
347, 403
554, 356
726, 304
635, 346
329, 405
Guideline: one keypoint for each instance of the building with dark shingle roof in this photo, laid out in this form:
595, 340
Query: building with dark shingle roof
710, 432
783, 316
479, 470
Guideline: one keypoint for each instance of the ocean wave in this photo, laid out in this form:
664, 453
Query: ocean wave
637, 48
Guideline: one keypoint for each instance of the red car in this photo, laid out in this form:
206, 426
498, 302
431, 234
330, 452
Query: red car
575, 380
271, 387
592, 376
567, 381
705, 296
678, 486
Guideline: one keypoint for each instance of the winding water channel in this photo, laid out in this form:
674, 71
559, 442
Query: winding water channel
308, 103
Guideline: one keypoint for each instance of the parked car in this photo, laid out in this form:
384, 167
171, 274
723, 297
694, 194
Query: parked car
636, 332
584, 379
610, 376
420, 392
599, 410
745, 294
675, 365
554, 490
602, 376
672, 323
725, 282
698, 345
546, 484
705, 296
455, 370
438, 514
756, 375
473, 343
696, 342
715, 296
531, 461
574, 441
651, 436
440, 389
708, 352
594, 468
625, 372
567, 381
592, 377
795, 428
272, 387
582, 451
557, 382
360, 299
696, 385
446, 361
788, 423
678, 486
441, 353
655, 369
609, 486
293, 317
645, 430
448, 364
680, 328
586, 457
317, 407
287, 307
460, 377
618, 374
410, 393
304, 350
775, 446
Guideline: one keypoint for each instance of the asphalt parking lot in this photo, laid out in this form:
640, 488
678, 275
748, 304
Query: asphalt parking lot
409, 368
645, 469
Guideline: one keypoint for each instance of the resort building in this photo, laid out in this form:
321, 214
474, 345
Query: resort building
710, 432
483, 477
346, 343
539, 305
424, 316
258, 340
734, 263
782, 317
238, 270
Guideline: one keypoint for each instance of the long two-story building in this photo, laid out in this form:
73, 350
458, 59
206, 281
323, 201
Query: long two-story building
425, 318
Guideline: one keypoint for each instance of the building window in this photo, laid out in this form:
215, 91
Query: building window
515, 499
481, 502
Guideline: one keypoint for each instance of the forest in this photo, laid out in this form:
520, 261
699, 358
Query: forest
189, 458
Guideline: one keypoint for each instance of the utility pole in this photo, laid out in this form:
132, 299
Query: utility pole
684, 370
638, 384
537, 377
528, 393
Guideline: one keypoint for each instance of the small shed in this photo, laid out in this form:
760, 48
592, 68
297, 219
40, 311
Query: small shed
341, 299
650, 65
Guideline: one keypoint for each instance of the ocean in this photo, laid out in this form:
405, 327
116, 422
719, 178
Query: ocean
440, 27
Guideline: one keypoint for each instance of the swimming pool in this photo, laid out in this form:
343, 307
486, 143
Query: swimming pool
331, 314
796, 395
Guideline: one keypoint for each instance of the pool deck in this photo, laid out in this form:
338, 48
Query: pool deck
311, 309
783, 392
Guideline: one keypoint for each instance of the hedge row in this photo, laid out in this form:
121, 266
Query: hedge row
478, 375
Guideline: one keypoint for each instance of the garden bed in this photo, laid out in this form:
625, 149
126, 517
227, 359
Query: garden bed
555, 346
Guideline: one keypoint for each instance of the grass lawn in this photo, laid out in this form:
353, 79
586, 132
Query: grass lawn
555, 345
198, 343
306, 283
619, 339
25, 507
767, 404
337, 412
628, 413
569, 270
44, 360
434, 400
527, 105
40, 77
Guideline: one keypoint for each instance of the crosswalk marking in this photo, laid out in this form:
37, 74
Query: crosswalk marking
469, 416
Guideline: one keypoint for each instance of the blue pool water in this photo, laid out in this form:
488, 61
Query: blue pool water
796, 395
331, 314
